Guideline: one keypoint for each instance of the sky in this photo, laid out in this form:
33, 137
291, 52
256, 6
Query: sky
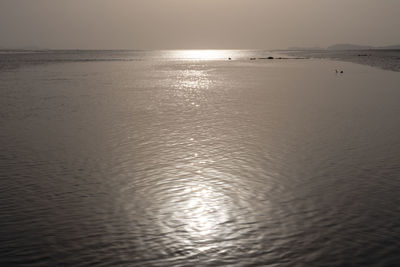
197, 24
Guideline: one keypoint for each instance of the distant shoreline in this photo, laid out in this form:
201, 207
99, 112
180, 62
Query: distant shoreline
379, 58
388, 59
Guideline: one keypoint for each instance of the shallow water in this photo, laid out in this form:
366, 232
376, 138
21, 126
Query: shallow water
385, 59
184, 162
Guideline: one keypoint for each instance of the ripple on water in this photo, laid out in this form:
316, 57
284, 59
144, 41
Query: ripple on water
199, 163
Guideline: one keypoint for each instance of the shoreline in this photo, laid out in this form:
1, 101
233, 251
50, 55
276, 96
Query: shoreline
383, 59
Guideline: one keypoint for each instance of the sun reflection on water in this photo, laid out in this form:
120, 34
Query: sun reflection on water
199, 215
201, 54
193, 79
200, 209
191, 205
203, 212
191, 87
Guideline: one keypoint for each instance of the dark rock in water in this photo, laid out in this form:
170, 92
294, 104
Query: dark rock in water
281, 58
341, 71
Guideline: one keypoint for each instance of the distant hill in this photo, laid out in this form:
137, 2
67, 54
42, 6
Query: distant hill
305, 48
342, 47
349, 47
390, 47
27, 47
360, 47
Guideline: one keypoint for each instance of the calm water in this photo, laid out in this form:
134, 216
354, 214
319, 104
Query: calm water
161, 159
385, 59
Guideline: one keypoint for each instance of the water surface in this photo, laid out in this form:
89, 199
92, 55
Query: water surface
182, 161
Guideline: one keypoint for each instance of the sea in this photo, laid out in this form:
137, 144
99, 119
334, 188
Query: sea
197, 158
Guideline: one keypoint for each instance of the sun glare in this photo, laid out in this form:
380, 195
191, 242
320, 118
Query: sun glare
201, 54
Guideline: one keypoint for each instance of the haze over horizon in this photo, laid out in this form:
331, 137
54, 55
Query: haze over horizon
190, 24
